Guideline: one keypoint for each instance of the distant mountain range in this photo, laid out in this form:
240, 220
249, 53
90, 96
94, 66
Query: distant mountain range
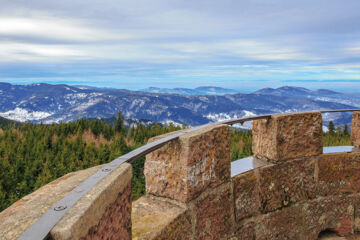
60, 103
206, 90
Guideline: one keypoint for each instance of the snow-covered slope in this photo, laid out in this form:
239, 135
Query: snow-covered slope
60, 103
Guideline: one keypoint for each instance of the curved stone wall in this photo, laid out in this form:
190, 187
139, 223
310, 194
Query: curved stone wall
294, 191
297, 192
104, 212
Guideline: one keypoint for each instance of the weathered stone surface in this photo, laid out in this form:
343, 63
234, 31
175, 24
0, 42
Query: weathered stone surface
355, 129
289, 182
246, 194
305, 221
334, 236
214, 213
116, 221
339, 173
88, 217
156, 218
356, 198
246, 231
288, 136
18, 217
185, 167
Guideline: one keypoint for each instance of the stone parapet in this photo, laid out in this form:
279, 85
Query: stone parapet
185, 167
287, 136
300, 194
104, 211
355, 129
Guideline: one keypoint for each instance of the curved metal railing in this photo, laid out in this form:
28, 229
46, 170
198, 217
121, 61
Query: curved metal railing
42, 227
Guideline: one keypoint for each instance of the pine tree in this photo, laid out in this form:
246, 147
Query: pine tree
346, 130
119, 123
331, 127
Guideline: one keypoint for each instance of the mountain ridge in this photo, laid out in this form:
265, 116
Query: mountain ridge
49, 103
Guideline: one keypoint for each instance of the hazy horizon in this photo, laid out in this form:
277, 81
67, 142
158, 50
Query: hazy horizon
240, 90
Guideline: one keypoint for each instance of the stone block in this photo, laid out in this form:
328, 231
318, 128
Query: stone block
286, 183
355, 129
287, 136
183, 168
104, 212
356, 198
305, 221
339, 173
22, 214
115, 223
246, 194
159, 218
214, 213
246, 231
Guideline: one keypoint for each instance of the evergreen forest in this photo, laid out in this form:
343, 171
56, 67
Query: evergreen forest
32, 155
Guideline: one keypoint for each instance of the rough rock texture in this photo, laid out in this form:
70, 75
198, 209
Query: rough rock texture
245, 232
305, 221
334, 236
356, 198
158, 218
115, 222
287, 136
88, 217
246, 194
286, 183
185, 167
214, 213
355, 129
339, 173
18, 217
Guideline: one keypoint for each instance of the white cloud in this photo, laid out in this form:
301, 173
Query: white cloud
227, 40
10, 52
56, 28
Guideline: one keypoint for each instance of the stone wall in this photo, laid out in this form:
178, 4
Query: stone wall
299, 194
103, 213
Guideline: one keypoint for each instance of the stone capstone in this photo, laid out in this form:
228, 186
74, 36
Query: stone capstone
185, 167
287, 136
104, 211
22, 214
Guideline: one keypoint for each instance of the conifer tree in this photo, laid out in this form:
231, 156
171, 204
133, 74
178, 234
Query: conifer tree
119, 123
346, 130
331, 127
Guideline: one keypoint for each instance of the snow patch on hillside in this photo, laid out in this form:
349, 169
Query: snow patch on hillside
216, 117
167, 122
22, 115
86, 105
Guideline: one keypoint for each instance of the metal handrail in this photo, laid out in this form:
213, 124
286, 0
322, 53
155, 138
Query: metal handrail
42, 227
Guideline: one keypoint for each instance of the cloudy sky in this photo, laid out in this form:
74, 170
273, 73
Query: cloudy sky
241, 44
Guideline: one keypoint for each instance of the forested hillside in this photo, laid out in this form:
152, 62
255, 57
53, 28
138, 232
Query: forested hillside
32, 155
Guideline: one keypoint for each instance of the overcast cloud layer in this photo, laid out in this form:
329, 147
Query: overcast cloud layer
135, 44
